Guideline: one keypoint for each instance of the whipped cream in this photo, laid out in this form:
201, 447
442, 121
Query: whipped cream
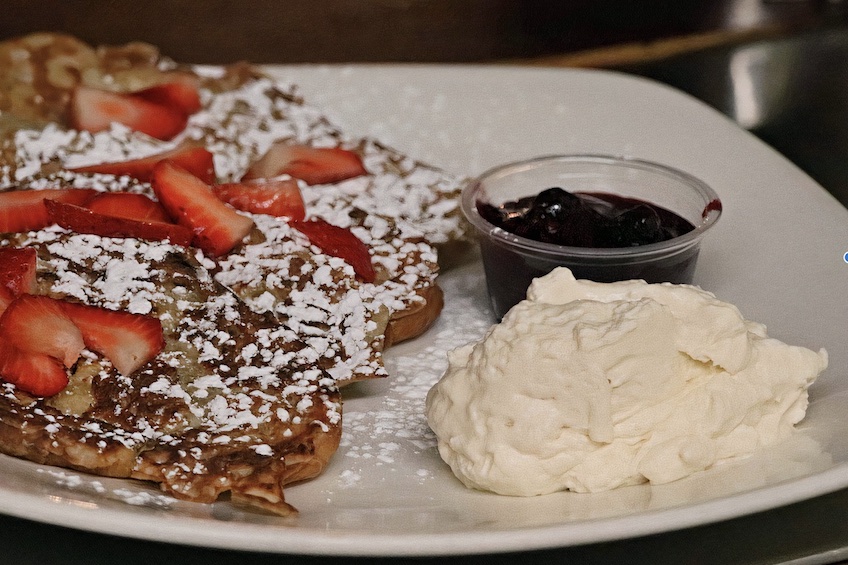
590, 386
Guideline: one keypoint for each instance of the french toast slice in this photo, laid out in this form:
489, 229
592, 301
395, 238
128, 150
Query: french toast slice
321, 297
236, 402
245, 112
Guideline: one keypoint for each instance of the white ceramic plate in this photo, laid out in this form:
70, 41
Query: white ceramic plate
777, 253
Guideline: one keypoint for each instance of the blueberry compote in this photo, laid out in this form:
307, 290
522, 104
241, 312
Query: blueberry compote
587, 220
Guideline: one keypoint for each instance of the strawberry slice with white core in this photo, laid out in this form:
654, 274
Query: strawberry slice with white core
274, 197
197, 160
217, 227
82, 220
24, 210
128, 205
17, 270
178, 94
313, 165
339, 242
127, 340
95, 110
39, 325
37, 374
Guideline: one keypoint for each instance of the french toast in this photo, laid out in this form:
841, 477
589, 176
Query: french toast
235, 402
244, 398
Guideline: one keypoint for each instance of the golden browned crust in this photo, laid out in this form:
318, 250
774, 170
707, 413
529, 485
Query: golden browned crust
415, 320
25, 432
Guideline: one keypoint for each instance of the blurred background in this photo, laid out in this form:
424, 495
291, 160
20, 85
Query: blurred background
442, 31
777, 67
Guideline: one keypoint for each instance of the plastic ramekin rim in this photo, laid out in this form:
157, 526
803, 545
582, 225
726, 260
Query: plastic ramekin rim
713, 210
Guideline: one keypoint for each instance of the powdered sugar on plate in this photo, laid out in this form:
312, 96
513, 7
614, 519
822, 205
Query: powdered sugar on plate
133, 494
389, 430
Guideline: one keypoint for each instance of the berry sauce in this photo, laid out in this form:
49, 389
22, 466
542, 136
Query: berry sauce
591, 220
586, 219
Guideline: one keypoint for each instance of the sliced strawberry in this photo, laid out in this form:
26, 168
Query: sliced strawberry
127, 340
83, 220
6, 298
17, 274
217, 228
339, 242
128, 205
17, 270
94, 110
39, 325
313, 165
24, 210
179, 94
196, 160
37, 374
275, 197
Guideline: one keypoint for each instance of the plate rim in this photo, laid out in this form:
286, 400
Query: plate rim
191, 531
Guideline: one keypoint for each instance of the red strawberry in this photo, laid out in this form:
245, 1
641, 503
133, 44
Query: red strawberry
275, 197
339, 242
127, 340
37, 374
217, 228
179, 94
39, 325
94, 110
24, 210
17, 270
196, 160
83, 220
313, 165
6, 298
128, 205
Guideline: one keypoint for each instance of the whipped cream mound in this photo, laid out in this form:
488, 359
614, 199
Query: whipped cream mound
590, 386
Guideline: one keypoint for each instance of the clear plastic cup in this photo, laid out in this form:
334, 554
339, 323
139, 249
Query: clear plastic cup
511, 262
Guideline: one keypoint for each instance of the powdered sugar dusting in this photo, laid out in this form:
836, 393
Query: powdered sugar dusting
391, 431
402, 207
316, 324
135, 495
